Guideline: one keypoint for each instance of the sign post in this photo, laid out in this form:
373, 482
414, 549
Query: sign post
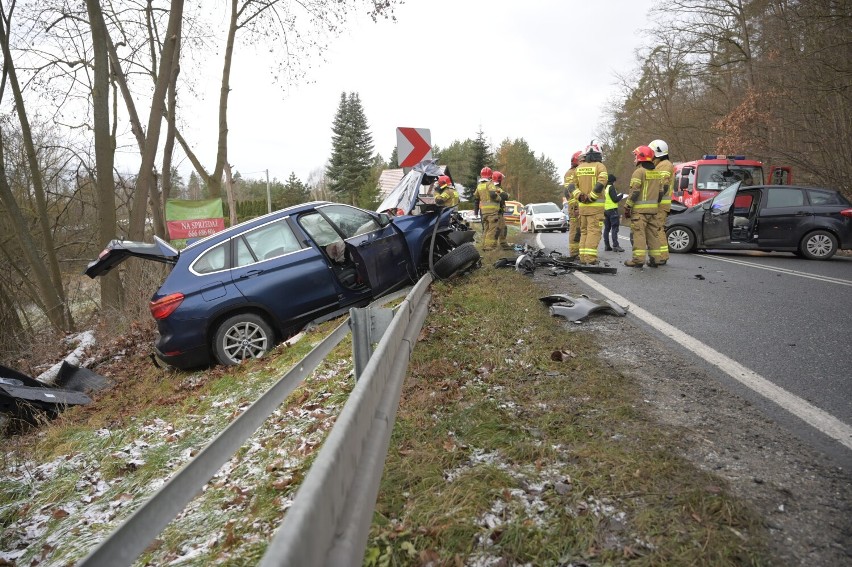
413, 145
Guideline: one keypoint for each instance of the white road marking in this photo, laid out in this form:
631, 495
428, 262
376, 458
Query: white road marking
780, 270
807, 412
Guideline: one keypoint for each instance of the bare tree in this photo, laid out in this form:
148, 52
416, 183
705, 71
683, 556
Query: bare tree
48, 277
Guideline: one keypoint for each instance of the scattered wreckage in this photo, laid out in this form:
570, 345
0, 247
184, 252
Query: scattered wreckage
572, 308
530, 258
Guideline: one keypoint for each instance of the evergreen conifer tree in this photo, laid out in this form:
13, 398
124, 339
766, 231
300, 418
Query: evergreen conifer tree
351, 150
481, 157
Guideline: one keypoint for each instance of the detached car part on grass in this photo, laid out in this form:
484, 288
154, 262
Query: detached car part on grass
235, 294
578, 308
24, 397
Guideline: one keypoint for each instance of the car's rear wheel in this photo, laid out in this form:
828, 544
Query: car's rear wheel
818, 245
241, 337
680, 240
456, 260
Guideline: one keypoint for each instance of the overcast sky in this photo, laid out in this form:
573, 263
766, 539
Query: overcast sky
541, 70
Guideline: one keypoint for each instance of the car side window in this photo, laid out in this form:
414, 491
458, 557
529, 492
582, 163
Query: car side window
269, 241
349, 220
779, 197
824, 197
214, 260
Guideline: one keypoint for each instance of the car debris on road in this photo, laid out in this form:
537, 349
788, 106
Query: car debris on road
529, 258
578, 308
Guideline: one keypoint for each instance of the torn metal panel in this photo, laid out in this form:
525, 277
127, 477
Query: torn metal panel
23, 396
578, 308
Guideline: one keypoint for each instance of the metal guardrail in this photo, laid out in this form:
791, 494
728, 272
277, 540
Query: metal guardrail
368, 400
330, 518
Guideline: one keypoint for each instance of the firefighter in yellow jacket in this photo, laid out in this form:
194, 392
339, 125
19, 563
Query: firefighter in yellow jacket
502, 230
573, 208
447, 195
487, 200
663, 164
646, 191
590, 179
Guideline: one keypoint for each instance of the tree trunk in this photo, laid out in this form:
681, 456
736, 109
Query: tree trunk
145, 178
214, 182
229, 191
104, 149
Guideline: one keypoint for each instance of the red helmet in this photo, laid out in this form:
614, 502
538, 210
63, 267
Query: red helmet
497, 177
443, 180
643, 153
575, 159
485, 172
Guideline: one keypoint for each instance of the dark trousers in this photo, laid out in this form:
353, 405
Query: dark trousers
611, 224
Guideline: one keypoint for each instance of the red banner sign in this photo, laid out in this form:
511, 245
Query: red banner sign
194, 228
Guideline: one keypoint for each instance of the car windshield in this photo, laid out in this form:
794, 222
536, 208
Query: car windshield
545, 208
722, 202
717, 177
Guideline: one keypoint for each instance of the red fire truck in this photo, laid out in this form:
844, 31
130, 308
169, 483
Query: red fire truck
699, 180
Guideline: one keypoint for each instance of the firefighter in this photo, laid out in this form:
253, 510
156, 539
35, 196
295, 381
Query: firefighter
448, 196
573, 209
611, 215
486, 200
663, 164
646, 191
502, 230
590, 179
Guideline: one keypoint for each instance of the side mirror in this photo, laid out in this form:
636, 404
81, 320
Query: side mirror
684, 183
384, 219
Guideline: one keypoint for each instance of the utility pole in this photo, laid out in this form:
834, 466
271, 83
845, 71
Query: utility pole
268, 196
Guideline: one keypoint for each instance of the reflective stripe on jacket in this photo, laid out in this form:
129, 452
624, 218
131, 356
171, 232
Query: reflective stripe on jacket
647, 187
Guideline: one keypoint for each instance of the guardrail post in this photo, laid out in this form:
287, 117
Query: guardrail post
368, 326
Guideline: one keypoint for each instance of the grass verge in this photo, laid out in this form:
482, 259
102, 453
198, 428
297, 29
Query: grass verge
501, 455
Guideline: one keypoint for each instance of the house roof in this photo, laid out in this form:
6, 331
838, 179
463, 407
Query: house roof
389, 179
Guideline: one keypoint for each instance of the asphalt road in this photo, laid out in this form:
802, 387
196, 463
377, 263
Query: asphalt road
785, 318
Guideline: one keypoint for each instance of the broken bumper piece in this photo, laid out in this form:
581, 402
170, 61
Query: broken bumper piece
578, 308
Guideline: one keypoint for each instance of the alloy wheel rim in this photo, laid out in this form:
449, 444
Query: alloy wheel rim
243, 341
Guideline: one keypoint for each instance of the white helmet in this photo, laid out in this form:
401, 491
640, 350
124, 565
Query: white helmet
660, 148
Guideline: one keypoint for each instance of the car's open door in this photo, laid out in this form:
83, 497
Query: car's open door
717, 217
117, 251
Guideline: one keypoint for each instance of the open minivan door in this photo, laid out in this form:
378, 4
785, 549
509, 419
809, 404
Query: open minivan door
780, 175
117, 251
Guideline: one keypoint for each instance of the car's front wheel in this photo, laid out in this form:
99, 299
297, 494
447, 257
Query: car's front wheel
818, 245
456, 260
680, 240
241, 337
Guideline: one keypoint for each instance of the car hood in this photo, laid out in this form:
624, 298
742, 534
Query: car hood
403, 197
117, 251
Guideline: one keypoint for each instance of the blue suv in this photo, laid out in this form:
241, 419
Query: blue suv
234, 294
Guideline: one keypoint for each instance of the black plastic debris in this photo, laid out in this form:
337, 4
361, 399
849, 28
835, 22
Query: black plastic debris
24, 397
559, 263
578, 308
